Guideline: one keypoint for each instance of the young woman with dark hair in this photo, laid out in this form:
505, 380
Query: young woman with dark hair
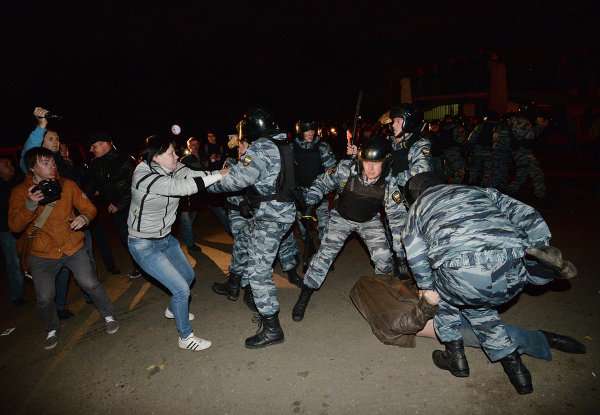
158, 183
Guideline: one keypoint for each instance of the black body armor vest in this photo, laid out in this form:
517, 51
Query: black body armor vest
308, 165
360, 202
285, 183
399, 161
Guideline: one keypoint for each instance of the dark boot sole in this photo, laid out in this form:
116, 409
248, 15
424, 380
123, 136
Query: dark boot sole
272, 343
526, 391
459, 374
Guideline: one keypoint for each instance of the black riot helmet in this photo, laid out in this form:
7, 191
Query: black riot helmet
417, 184
377, 148
303, 126
413, 118
257, 122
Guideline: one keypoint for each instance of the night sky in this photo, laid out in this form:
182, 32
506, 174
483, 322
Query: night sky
135, 69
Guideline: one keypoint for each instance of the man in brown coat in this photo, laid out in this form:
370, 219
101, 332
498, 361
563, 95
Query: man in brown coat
58, 242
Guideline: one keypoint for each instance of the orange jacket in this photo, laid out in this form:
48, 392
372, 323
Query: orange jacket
56, 237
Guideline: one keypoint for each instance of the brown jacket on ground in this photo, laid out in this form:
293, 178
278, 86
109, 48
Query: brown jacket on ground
392, 308
56, 237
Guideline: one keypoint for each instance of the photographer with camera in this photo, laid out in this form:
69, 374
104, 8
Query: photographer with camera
42, 208
42, 136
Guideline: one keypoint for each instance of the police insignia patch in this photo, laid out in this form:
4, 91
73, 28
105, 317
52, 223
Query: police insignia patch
426, 151
331, 170
397, 197
246, 160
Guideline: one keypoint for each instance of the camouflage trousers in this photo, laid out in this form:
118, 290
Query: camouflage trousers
263, 245
397, 215
288, 252
527, 166
337, 231
322, 213
240, 228
480, 166
473, 292
239, 252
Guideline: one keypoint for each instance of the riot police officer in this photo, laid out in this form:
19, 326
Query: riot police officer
469, 245
524, 135
240, 216
361, 186
411, 155
267, 170
311, 158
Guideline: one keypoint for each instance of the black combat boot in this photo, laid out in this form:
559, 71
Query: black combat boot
269, 332
294, 278
564, 343
230, 288
249, 299
517, 373
452, 359
300, 306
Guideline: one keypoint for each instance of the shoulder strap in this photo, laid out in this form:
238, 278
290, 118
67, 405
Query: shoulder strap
41, 220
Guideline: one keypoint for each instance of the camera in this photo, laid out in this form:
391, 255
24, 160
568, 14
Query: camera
50, 189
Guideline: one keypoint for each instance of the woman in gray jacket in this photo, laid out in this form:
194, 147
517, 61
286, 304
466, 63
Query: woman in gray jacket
158, 183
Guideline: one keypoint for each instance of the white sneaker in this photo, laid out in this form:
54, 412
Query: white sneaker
194, 343
168, 314
51, 340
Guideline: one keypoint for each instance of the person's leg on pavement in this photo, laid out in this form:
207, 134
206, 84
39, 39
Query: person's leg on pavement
288, 257
338, 230
373, 235
44, 272
63, 279
239, 259
150, 254
265, 239
86, 278
14, 274
179, 261
336, 234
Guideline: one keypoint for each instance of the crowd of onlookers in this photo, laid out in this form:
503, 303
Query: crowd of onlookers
104, 173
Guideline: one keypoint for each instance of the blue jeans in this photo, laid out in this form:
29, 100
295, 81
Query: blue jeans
529, 342
186, 223
13, 268
164, 261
